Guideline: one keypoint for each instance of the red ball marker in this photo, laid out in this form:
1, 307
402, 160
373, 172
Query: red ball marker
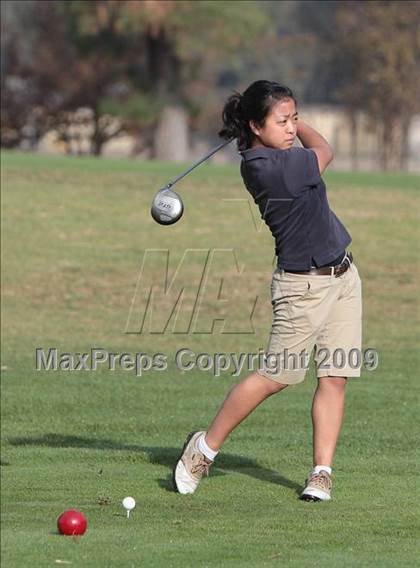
72, 523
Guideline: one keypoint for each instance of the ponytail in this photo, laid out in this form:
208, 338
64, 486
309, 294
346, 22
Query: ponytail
234, 124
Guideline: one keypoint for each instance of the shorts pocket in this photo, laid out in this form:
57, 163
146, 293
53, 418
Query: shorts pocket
290, 292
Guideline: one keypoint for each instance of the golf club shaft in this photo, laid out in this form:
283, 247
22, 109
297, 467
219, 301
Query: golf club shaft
171, 183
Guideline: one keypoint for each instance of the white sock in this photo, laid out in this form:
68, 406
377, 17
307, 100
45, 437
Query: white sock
318, 468
204, 449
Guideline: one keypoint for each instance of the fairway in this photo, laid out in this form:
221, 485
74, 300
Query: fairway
75, 235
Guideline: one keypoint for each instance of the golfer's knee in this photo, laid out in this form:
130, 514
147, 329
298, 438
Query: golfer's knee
332, 383
273, 387
264, 385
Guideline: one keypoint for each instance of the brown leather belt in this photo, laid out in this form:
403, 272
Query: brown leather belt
337, 270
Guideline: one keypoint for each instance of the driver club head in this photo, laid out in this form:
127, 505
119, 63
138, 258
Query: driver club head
167, 207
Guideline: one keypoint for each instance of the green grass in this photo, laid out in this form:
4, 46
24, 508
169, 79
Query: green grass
74, 236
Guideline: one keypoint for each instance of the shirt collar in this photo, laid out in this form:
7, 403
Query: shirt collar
257, 152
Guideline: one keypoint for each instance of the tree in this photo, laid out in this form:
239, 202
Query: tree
369, 59
183, 45
127, 52
18, 90
382, 44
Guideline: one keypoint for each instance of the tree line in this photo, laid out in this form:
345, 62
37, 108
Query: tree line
128, 61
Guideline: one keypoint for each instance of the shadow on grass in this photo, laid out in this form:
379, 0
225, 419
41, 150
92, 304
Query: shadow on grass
162, 456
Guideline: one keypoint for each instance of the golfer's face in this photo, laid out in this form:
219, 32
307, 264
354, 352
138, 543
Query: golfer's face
280, 126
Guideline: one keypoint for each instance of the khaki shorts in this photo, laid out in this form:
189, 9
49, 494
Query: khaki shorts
313, 311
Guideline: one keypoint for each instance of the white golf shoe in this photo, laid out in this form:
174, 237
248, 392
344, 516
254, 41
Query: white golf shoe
191, 466
318, 487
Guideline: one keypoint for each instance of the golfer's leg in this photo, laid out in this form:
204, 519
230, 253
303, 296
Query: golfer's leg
241, 401
342, 332
327, 417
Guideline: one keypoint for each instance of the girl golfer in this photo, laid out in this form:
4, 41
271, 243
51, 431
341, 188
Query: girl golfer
315, 289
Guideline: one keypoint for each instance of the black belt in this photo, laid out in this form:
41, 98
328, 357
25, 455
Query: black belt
337, 270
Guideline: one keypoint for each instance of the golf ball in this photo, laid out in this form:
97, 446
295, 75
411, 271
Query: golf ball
128, 503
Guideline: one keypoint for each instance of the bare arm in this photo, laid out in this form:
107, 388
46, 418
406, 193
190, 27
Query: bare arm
310, 138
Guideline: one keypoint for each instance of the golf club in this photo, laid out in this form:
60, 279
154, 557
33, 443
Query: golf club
167, 207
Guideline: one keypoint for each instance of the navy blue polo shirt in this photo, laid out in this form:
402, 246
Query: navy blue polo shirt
292, 198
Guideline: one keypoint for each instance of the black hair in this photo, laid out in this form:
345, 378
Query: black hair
254, 104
